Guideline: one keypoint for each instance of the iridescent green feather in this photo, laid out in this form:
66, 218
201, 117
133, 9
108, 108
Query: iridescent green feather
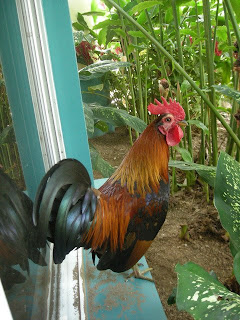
66, 172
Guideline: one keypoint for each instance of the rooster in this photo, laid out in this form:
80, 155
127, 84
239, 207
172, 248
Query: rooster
18, 241
119, 221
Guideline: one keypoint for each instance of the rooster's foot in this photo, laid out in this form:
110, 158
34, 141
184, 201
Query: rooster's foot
140, 274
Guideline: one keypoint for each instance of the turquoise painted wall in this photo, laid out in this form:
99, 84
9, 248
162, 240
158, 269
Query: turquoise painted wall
67, 83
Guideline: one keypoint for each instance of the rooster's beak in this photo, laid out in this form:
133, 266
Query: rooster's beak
182, 123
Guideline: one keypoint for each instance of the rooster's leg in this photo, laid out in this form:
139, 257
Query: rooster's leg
140, 274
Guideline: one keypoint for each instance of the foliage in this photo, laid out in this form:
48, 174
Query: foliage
118, 117
162, 39
227, 200
114, 116
99, 164
198, 292
207, 173
98, 69
94, 114
203, 296
7, 135
234, 94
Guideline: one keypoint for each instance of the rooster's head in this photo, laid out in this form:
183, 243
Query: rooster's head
171, 118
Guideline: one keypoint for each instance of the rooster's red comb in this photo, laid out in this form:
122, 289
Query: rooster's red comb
172, 107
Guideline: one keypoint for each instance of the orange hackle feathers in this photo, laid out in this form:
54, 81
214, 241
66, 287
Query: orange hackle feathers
110, 223
139, 174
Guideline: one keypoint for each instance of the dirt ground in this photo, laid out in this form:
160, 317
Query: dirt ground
206, 242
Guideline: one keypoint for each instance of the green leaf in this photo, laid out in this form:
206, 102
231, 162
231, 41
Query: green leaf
94, 7
205, 172
233, 250
222, 33
101, 125
88, 118
172, 298
200, 125
195, 42
182, 2
185, 154
203, 296
99, 164
185, 86
78, 36
94, 13
98, 69
235, 5
118, 117
97, 87
2, 82
142, 18
221, 21
228, 110
137, 34
137, 47
77, 26
102, 36
144, 5
130, 5
7, 135
110, 35
123, 3
169, 15
228, 92
81, 24
120, 32
226, 196
208, 176
107, 23
130, 49
82, 21
236, 266
187, 166
189, 32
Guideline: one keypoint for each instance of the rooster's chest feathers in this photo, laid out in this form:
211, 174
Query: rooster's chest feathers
149, 218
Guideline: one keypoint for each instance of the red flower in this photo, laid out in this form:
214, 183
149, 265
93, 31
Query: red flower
118, 50
83, 50
191, 40
217, 51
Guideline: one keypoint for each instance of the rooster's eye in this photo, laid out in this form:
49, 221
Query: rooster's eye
168, 119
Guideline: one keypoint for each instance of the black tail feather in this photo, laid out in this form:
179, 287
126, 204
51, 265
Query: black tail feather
64, 207
18, 237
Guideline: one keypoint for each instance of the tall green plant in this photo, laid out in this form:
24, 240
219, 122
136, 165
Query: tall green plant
152, 35
233, 18
210, 69
178, 67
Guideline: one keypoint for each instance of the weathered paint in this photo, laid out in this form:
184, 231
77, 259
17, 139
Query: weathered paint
113, 296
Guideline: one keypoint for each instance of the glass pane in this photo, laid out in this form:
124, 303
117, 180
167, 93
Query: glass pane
21, 263
9, 156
